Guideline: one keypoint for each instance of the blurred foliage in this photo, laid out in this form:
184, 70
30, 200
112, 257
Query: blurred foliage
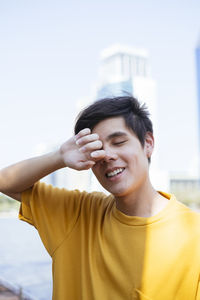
8, 204
190, 198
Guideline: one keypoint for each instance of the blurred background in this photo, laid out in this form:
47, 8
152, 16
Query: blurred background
56, 57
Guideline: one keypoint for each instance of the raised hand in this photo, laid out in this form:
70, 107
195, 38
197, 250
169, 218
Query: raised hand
82, 151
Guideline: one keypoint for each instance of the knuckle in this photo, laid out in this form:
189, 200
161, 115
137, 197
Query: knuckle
82, 149
81, 141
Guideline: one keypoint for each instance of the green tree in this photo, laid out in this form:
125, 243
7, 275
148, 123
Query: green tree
8, 204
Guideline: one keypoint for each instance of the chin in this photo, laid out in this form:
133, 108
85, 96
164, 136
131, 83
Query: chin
120, 189
118, 192
123, 192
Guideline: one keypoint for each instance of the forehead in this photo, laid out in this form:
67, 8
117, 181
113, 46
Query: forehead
111, 125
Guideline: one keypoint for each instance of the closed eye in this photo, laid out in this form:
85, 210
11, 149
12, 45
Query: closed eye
120, 142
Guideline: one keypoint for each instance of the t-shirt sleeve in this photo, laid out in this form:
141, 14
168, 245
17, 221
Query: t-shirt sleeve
53, 211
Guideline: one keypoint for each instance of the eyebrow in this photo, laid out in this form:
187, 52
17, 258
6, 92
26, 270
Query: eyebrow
116, 134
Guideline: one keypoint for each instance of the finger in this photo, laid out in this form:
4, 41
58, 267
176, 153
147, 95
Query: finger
91, 146
82, 133
99, 154
86, 165
87, 139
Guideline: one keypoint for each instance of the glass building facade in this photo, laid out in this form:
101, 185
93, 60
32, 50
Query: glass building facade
198, 90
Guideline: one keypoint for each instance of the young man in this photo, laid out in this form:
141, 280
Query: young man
136, 243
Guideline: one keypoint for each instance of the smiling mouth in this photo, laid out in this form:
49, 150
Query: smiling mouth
115, 172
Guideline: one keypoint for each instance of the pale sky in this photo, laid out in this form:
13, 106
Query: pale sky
49, 58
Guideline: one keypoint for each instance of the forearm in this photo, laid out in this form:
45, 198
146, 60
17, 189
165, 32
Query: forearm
21, 176
75, 153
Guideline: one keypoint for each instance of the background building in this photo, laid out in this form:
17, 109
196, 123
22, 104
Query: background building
185, 185
186, 189
125, 70
198, 96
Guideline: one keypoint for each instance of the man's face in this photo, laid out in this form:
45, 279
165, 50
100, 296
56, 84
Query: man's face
125, 168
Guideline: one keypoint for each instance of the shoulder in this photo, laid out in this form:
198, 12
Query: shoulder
180, 213
42, 190
191, 217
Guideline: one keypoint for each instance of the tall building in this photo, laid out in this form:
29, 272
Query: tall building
187, 185
127, 70
198, 95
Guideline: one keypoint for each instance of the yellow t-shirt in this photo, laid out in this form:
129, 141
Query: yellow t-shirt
99, 253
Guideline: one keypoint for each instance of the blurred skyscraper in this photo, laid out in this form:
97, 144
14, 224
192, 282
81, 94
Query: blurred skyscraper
127, 70
198, 94
189, 184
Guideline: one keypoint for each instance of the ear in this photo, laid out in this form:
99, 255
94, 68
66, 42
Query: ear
149, 144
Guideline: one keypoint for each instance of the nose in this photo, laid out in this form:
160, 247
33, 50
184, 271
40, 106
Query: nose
110, 155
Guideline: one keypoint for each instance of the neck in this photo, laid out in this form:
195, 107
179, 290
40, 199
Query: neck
143, 203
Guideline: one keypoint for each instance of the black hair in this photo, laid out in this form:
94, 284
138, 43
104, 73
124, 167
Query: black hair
135, 115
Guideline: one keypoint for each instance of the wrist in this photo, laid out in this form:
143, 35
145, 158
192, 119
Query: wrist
58, 159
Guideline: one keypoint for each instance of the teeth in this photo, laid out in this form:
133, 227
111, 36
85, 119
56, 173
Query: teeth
117, 171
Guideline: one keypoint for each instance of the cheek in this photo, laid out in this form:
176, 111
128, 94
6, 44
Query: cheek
130, 157
136, 160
